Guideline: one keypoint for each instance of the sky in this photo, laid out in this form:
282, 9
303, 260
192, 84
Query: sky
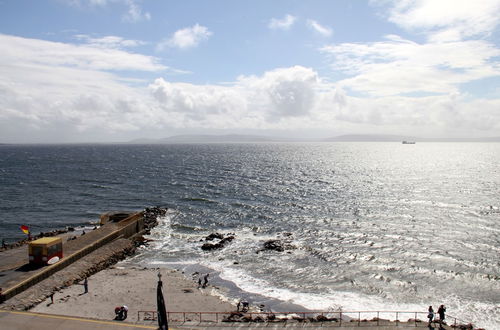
117, 70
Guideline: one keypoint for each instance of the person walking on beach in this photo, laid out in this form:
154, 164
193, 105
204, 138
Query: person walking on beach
86, 285
441, 311
205, 281
430, 315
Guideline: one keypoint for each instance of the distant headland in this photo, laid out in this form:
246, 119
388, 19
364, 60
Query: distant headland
236, 138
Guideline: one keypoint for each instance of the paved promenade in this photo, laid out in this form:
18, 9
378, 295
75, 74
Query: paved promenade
15, 320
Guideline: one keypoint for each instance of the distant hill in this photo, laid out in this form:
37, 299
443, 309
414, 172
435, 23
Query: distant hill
236, 138
400, 138
229, 138
371, 138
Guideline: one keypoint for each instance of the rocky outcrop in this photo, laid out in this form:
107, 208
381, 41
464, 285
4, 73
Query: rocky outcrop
281, 244
223, 240
151, 215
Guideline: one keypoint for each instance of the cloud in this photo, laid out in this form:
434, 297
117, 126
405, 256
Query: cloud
323, 30
278, 94
109, 41
20, 51
282, 24
447, 20
134, 12
47, 88
55, 92
186, 38
397, 66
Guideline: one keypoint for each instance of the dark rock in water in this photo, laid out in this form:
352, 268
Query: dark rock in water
275, 245
218, 245
213, 236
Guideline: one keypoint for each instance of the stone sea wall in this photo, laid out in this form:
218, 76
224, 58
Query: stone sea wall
93, 258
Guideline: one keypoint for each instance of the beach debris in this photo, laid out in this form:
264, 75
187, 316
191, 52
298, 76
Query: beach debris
220, 244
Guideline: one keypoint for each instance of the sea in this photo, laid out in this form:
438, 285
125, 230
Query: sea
369, 226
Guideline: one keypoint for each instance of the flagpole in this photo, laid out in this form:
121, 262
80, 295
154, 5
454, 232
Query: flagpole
162, 311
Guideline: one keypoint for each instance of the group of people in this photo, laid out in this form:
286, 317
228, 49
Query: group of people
121, 312
441, 310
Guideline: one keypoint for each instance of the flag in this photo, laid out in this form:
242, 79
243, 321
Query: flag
162, 311
25, 229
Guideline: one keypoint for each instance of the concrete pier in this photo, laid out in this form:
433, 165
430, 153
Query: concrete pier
16, 275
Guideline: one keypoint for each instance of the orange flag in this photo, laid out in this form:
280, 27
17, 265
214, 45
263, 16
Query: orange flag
25, 229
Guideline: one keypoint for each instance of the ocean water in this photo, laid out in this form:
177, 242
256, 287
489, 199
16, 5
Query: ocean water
374, 226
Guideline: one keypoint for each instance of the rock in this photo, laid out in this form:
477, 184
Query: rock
213, 236
218, 245
275, 245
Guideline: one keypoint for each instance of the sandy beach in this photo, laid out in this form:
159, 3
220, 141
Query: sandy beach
135, 288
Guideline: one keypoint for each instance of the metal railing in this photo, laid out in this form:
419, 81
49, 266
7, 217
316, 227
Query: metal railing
350, 318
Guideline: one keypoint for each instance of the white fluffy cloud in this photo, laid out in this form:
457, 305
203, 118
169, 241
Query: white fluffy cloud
447, 20
62, 92
396, 66
323, 30
448, 59
186, 38
275, 96
284, 23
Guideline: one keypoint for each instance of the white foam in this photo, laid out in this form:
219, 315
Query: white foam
345, 301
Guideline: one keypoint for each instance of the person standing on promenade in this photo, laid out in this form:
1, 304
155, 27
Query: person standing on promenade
430, 315
205, 281
86, 285
441, 311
